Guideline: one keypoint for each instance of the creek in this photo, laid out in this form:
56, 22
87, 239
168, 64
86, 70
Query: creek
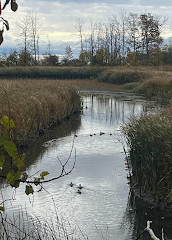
102, 210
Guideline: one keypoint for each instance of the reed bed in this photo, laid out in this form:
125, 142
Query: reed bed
36, 104
149, 140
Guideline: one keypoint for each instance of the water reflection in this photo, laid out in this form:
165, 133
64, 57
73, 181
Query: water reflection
66, 128
101, 211
110, 109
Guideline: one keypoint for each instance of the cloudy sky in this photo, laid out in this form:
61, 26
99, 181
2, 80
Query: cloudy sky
57, 18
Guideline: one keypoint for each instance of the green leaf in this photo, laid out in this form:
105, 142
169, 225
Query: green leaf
4, 138
29, 190
2, 209
11, 149
43, 174
13, 178
7, 123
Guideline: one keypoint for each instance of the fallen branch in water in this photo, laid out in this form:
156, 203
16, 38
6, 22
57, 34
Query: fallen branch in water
150, 231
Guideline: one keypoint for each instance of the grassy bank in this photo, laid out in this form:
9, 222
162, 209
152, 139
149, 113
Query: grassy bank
36, 104
152, 82
150, 151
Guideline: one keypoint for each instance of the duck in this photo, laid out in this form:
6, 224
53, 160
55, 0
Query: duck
101, 133
80, 186
79, 191
71, 184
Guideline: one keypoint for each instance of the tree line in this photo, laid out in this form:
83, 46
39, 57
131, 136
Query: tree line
130, 39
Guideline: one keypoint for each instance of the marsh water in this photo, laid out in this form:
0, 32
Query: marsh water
102, 210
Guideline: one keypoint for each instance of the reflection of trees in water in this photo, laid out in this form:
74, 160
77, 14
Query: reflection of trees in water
66, 128
110, 108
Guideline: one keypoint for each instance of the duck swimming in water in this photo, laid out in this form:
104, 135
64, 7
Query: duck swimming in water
80, 186
79, 191
101, 133
71, 184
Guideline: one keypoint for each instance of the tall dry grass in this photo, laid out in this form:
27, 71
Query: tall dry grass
36, 104
150, 151
153, 82
23, 225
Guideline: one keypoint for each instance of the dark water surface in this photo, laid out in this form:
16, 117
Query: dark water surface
102, 210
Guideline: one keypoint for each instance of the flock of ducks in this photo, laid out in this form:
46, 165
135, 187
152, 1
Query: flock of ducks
79, 187
101, 133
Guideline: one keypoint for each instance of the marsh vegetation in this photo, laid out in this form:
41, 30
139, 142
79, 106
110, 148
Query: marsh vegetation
35, 105
149, 140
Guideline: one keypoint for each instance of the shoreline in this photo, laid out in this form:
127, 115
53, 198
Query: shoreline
145, 205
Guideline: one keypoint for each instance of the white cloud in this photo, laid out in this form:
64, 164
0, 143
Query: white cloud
57, 18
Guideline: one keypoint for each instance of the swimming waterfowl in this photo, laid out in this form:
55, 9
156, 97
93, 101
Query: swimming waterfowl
101, 133
79, 191
71, 184
80, 186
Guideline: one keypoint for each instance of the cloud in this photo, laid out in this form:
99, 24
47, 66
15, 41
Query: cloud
57, 17
116, 2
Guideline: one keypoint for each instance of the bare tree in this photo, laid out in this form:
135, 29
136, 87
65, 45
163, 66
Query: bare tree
123, 31
133, 31
24, 32
115, 32
34, 20
79, 22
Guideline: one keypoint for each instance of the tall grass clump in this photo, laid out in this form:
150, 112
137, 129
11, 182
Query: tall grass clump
36, 104
150, 152
122, 76
159, 89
